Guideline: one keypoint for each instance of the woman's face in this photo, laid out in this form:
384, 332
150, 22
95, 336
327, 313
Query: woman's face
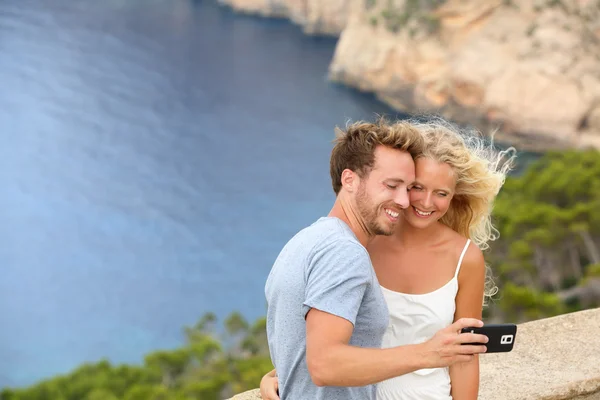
431, 194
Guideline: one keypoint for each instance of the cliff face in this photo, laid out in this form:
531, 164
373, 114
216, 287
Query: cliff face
328, 17
531, 67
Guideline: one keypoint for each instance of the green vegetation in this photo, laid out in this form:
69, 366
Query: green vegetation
554, 3
545, 262
558, 3
203, 368
549, 247
412, 15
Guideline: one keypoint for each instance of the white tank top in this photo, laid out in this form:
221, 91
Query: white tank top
415, 318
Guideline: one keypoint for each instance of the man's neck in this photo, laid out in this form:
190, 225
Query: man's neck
343, 210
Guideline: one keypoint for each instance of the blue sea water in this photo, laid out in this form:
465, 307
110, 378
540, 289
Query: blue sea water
156, 155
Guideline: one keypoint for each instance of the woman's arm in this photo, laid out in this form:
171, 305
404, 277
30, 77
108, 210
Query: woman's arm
269, 384
464, 377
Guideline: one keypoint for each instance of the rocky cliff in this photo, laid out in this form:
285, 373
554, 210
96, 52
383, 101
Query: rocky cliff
529, 67
328, 17
553, 359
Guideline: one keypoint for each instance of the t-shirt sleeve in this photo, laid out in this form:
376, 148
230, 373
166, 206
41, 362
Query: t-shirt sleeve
336, 279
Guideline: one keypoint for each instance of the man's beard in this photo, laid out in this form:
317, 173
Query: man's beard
370, 213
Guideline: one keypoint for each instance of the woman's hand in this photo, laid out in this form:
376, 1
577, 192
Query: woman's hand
269, 386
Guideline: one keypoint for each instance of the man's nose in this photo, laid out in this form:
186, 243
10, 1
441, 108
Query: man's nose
402, 199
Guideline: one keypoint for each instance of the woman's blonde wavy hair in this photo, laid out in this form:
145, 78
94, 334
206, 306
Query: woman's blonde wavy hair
480, 170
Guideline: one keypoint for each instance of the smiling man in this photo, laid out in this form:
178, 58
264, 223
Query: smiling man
326, 314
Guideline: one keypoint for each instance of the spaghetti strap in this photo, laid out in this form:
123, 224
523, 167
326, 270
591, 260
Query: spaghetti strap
461, 257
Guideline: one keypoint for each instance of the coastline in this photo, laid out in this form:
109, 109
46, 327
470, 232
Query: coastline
493, 65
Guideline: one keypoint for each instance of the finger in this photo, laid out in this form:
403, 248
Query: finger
274, 395
466, 323
268, 389
266, 395
470, 349
471, 338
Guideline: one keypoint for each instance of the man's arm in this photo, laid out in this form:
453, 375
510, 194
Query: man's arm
464, 377
337, 278
333, 362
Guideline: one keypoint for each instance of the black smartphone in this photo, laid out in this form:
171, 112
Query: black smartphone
501, 336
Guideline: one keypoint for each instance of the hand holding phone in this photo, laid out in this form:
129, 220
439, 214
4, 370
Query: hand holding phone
501, 336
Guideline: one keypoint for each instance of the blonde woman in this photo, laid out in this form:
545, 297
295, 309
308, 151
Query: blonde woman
431, 270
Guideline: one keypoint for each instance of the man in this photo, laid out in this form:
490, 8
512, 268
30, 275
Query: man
326, 314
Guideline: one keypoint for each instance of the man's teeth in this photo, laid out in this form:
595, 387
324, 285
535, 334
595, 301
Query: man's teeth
424, 214
392, 213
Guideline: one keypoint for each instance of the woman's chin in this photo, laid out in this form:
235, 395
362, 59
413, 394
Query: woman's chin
420, 223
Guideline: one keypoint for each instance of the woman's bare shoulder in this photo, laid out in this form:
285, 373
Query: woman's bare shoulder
473, 255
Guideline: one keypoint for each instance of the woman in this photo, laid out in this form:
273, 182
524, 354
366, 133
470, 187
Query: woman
431, 270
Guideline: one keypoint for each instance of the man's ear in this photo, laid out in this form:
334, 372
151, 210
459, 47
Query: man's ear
350, 180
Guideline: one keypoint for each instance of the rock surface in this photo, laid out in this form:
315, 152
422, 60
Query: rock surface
529, 67
328, 17
553, 359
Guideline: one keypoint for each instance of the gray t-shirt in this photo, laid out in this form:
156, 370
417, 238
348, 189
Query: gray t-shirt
325, 267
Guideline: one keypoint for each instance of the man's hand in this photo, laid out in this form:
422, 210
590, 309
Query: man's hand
446, 346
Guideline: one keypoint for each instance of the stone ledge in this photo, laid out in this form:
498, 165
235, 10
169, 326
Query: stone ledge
553, 359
